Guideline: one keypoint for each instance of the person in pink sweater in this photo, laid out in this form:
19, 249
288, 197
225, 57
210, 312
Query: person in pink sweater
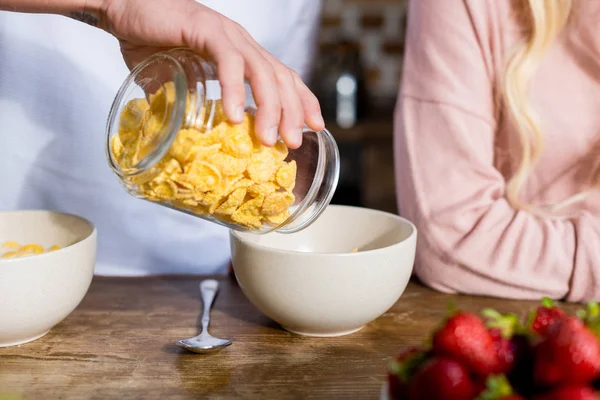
497, 145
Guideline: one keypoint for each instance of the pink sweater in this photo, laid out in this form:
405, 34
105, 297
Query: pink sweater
451, 154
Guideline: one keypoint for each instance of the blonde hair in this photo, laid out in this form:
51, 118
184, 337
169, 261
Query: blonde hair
542, 21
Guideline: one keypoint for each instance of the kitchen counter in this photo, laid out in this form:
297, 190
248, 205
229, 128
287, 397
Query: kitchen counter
119, 343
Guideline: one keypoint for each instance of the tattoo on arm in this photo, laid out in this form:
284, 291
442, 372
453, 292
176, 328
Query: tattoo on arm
85, 17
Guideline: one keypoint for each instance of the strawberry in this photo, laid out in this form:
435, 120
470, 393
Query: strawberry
513, 347
569, 355
569, 393
506, 350
401, 370
396, 388
465, 338
544, 317
441, 378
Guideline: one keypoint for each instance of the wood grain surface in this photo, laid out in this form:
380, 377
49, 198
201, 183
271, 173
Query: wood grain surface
119, 343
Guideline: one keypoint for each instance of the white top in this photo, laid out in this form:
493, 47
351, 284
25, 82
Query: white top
58, 78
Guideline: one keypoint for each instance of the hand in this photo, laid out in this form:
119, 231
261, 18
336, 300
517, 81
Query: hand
284, 103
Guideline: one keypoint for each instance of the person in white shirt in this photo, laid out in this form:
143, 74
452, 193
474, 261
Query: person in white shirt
59, 76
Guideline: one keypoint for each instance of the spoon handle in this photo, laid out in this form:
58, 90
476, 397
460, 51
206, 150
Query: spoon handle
208, 292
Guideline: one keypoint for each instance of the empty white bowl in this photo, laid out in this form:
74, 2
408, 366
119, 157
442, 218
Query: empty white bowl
39, 291
311, 282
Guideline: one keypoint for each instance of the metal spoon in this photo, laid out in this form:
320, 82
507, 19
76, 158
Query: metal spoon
204, 342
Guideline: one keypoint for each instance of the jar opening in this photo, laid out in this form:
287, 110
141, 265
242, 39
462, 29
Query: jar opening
161, 81
323, 173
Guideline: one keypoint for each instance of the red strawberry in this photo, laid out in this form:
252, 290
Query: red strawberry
569, 393
396, 388
569, 355
545, 316
441, 378
513, 347
465, 338
401, 370
512, 397
506, 350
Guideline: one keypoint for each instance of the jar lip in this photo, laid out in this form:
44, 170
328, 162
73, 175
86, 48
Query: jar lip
323, 136
174, 119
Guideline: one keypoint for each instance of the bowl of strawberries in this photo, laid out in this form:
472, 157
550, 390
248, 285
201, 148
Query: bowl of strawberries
494, 356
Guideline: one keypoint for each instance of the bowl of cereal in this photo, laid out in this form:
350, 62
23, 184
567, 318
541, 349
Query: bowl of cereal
46, 266
332, 278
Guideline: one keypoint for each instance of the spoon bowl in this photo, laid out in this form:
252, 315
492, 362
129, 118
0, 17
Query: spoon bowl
203, 344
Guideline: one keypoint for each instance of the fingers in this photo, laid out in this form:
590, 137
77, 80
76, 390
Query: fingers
230, 70
292, 119
237, 61
266, 94
284, 102
262, 78
231, 75
310, 105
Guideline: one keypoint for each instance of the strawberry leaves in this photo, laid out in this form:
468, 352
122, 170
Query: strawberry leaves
497, 387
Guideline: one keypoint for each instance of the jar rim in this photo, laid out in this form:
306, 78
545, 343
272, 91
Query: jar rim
173, 121
326, 169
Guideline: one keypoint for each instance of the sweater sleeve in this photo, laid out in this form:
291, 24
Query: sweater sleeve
470, 238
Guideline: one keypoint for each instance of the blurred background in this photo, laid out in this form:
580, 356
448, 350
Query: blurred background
356, 78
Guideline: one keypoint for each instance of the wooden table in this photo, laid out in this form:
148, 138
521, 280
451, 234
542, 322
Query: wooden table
119, 343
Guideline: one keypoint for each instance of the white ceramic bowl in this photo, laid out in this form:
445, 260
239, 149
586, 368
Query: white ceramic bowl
312, 284
37, 292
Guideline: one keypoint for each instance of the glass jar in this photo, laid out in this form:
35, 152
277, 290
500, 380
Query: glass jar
169, 142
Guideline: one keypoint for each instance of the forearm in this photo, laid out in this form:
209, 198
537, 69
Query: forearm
88, 11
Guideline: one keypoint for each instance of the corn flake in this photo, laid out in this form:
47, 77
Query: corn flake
219, 113
243, 183
131, 118
262, 189
12, 254
213, 199
182, 148
277, 202
234, 200
278, 219
116, 146
17, 250
280, 150
248, 214
166, 190
162, 101
238, 141
286, 176
220, 170
229, 165
262, 167
202, 175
